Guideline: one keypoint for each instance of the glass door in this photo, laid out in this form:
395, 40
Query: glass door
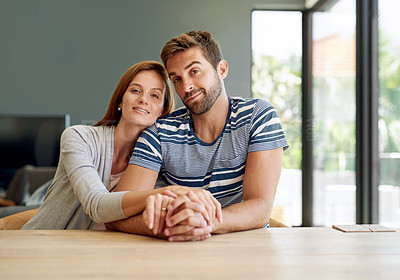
276, 76
389, 112
333, 75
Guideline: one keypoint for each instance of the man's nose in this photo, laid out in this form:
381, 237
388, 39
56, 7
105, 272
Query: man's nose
188, 85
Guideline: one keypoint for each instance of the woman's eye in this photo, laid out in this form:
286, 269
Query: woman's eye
135, 90
155, 95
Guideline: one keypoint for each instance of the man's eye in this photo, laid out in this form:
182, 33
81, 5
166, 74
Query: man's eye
175, 80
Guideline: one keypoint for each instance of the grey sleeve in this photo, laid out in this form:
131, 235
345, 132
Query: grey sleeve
79, 151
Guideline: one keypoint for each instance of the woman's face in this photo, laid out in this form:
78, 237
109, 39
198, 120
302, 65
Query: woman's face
143, 101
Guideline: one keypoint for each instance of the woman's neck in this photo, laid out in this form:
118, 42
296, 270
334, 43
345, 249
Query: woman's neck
125, 137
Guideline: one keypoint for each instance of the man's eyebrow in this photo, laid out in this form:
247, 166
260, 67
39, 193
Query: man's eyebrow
187, 67
192, 63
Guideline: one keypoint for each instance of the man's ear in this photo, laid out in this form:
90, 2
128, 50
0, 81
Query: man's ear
222, 69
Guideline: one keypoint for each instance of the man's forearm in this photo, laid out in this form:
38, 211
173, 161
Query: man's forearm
250, 214
134, 224
259, 188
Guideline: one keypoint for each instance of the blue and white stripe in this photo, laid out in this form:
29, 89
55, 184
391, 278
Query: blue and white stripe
170, 145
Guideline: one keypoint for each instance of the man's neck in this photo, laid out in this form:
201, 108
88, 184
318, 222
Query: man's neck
208, 126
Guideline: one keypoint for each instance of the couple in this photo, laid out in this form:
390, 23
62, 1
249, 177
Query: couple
218, 152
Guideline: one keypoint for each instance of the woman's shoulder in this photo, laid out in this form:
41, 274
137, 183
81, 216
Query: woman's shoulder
90, 128
85, 131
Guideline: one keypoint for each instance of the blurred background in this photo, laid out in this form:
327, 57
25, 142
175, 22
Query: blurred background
66, 57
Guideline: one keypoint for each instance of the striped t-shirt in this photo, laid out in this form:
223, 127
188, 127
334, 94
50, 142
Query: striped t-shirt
172, 146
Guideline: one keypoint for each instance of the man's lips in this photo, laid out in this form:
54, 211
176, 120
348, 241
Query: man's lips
194, 96
141, 110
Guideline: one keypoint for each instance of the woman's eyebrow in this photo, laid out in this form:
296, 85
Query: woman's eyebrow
135, 84
139, 85
156, 88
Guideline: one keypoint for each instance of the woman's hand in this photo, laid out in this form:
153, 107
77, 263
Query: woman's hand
156, 210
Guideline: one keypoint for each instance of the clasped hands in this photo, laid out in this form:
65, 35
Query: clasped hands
180, 214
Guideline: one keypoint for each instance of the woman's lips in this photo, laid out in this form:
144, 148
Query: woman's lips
141, 110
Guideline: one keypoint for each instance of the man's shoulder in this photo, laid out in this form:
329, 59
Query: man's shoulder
169, 125
177, 116
172, 126
240, 102
248, 106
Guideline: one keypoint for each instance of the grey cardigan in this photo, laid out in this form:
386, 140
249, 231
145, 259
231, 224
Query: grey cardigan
78, 197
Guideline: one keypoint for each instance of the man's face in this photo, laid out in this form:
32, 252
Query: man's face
195, 80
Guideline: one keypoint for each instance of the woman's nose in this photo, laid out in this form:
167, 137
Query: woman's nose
143, 98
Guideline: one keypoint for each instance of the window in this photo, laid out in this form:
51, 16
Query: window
276, 76
389, 114
333, 76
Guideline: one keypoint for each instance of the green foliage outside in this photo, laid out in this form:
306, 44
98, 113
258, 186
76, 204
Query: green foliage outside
280, 83
334, 114
389, 123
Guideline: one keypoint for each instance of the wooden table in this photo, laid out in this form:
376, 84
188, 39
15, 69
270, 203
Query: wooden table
276, 253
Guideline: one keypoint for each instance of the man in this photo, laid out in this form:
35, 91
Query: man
232, 147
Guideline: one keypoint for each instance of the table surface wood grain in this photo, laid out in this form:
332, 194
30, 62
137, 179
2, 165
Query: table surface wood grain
275, 253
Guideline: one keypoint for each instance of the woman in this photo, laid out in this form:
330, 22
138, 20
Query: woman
93, 158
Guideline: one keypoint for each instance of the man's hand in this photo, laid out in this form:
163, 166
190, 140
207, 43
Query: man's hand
200, 196
187, 221
190, 221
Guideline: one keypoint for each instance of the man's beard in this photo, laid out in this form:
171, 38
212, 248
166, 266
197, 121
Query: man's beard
203, 106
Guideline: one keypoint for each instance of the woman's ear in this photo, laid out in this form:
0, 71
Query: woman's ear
222, 69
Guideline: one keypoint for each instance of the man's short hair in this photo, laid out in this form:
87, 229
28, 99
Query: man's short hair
203, 39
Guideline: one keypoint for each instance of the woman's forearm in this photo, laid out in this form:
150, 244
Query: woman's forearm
133, 203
